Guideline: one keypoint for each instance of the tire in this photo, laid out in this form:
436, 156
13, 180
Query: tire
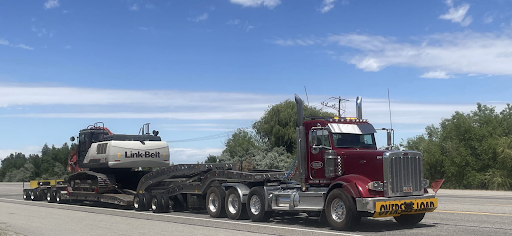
256, 205
215, 199
235, 209
139, 203
26, 195
177, 203
159, 204
341, 211
33, 194
50, 196
58, 197
409, 219
147, 201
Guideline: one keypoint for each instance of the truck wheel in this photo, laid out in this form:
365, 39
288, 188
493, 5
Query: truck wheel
215, 202
234, 207
409, 219
256, 205
341, 211
147, 201
159, 204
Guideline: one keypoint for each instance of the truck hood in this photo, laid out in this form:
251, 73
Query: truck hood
367, 163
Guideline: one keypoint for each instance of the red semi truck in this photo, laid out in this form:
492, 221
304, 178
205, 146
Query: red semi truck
339, 173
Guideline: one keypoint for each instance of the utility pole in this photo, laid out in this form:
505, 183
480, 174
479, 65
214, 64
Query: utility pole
334, 106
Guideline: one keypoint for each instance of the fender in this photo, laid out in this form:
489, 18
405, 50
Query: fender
354, 185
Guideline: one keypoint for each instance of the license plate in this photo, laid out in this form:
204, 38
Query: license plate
408, 189
396, 208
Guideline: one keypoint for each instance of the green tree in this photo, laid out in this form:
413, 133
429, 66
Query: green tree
211, 159
469, 150
12, 162
277, 126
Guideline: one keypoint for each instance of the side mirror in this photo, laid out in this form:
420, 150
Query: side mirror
72, 139
155, 132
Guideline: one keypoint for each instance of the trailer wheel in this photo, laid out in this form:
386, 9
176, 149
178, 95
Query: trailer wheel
50, 196
26, 195
33, 195
58, 197
341, 211
147, 201
159, 204
409, 219
235, 209
215, 198
138, 202
256, 205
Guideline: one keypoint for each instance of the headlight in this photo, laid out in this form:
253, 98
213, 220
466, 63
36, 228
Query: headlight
376, 185
425, 183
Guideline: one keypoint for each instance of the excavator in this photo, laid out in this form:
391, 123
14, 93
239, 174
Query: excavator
105, 162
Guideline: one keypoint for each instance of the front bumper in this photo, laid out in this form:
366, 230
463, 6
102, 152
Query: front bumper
393, 206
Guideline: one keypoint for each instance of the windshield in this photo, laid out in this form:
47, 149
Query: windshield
354, 140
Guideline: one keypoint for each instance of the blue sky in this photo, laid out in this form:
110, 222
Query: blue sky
204, 68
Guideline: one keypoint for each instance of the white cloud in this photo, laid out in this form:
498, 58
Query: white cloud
51, 4
457, 14
454, 53
23, 46
6, 43
202, 17
488, 18
256, 3
327, 5
150, 6
437, 74
134, 7
191, 156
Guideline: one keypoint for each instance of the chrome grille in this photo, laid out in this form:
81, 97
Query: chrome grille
403, 173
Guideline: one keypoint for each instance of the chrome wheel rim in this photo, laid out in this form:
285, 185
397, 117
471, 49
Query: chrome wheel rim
255, 205
136, 202
213, 202
57, 197
233, 204
154, 202
338, 210
48, 197
32, 195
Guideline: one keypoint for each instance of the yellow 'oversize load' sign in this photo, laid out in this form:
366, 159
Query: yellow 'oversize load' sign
396, 208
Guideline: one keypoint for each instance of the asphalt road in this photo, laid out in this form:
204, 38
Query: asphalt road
460, 212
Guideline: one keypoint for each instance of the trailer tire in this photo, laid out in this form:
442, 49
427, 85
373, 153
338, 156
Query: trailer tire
26, 195
147, 201
58, 197
33, 195
215, 199
235, 209
177, 203
138, 202
256, 205
50, 196
159, 204
409, 219
341, 211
